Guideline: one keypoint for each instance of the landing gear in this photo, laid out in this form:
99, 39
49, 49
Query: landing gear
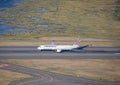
58, 51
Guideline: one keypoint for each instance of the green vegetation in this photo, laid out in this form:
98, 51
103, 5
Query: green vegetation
84, 18
117, 10
97, 69
6, 77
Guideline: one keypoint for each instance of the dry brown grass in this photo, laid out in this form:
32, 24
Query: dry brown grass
34, 43
98, 69
59, 38
89, 41
7, 76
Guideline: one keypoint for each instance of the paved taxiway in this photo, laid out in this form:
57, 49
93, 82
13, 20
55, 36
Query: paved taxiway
31, 52
48, 78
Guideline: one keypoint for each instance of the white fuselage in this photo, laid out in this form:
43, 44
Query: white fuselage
57, 48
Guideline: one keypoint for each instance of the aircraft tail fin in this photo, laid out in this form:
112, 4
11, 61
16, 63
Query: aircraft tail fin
77, 42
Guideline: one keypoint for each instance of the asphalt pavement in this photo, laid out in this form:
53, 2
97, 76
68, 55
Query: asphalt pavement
31, 52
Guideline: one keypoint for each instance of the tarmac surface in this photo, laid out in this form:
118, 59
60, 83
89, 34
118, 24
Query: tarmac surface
31, 52
48, 78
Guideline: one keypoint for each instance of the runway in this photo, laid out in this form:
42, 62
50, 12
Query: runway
31, 52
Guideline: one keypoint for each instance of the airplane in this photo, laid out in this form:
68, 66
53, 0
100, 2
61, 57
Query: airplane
60, 48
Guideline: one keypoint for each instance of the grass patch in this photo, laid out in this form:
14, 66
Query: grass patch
6, 77
97, 69
84, 18
62, 40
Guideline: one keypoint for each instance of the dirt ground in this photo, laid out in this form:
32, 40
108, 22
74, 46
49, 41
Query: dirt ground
7, 76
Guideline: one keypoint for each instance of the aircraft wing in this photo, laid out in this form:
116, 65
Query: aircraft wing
53, 42
80, 47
